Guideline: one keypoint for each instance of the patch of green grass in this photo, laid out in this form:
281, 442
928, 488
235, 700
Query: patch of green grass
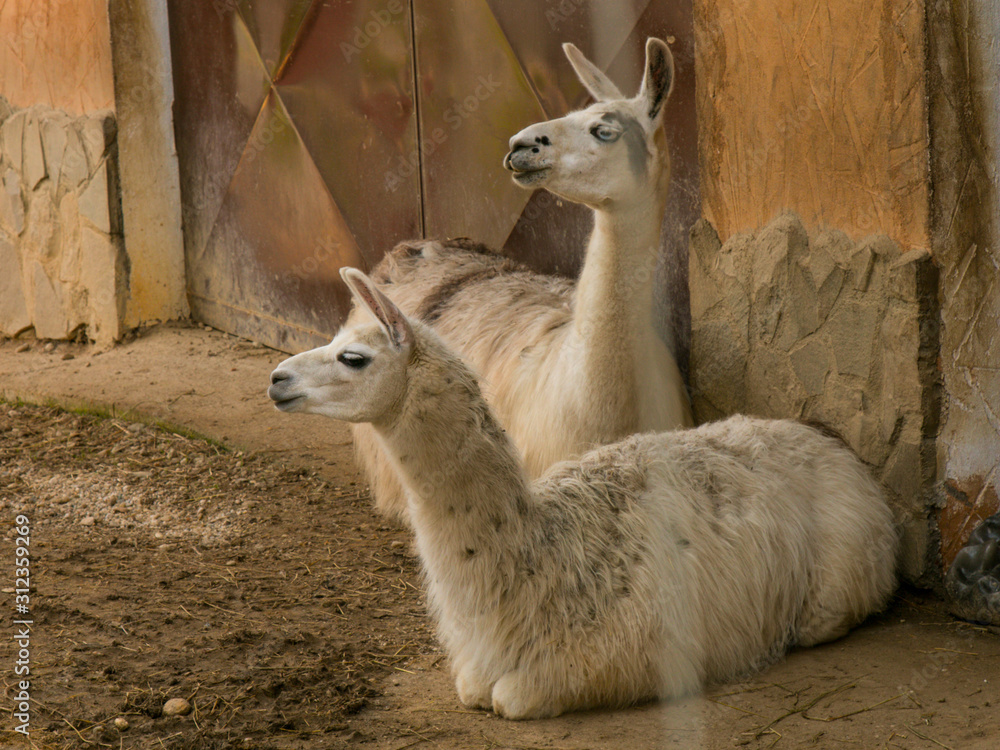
103, 411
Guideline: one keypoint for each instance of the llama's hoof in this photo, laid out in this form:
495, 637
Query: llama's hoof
515, 697
472, 691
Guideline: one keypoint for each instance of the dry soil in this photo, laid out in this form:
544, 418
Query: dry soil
246, 574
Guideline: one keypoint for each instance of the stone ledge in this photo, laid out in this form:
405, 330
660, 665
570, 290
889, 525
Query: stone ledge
61, 251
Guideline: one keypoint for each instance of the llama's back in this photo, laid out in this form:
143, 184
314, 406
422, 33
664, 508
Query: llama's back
721, 547
791, 542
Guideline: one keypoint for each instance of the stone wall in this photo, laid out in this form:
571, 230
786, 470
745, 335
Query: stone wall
824, 328
62, 264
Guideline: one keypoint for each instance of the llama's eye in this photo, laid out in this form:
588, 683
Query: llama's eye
353, 360
604, 133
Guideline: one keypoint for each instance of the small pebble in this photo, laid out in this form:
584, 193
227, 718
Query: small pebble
176, 707
121, 723
397, 545
135, 427
50, 347
67, 355
88, 521
23, 348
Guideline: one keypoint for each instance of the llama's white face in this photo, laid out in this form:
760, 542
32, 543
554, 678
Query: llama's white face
607, 153
357, 377
361, 375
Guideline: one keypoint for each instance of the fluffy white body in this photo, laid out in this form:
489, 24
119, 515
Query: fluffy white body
567, 366
645, 569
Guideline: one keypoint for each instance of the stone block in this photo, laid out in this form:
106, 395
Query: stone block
5, 110
829, 292
853, 328
41, 232
94, 200
33, 170
902, 473
75, 169
812, 364
12, 137
54, 138
861, 266
718, 369
781, 238
803, 301
12, 203
48, 311
69, 238
766, 311
100, 274
14, 316
772, 388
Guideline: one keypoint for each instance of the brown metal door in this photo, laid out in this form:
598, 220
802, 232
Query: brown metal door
314, 134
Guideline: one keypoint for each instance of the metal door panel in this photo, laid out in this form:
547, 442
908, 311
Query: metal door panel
537, 32
219, 89
274, 26
349, 90
270, 266
360, 83
473, 98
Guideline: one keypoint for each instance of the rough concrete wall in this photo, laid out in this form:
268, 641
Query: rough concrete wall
817, 108
827, 329
56, 52
62, 263
964, 89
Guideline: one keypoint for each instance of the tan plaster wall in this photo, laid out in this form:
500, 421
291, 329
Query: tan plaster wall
57, 53
818, 108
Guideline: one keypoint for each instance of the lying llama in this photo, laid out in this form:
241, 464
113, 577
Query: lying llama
645, 569
566, 366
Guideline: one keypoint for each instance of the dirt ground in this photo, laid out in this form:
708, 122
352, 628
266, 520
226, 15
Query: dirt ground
247, 574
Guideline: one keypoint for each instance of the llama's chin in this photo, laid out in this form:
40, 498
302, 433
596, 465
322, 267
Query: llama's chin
530, 178
289, 404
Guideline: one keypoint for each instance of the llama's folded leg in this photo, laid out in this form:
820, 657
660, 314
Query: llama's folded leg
519, 695
474, 690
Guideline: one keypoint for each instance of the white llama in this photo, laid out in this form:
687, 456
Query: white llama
566, 366
645, 569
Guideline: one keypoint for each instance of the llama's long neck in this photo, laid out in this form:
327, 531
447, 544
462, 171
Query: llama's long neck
466, 485
614, 302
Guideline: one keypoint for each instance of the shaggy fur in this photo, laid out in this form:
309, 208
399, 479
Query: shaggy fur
645, 569
566, 366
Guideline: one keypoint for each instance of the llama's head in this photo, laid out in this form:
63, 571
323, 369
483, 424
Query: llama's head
360, 376
611, 152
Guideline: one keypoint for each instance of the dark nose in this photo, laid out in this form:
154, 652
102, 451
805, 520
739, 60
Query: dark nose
277, 376
519, 145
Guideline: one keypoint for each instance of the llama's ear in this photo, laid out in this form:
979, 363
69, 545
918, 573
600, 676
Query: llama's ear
383, 309
592, 77
658, 81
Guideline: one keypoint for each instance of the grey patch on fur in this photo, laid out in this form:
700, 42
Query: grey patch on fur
435, 303
635, 140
